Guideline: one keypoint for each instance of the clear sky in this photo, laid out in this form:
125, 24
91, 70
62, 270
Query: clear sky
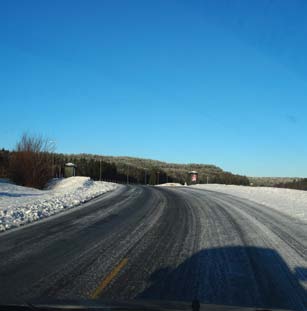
219, 82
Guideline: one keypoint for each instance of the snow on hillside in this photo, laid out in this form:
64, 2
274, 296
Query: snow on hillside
20, 205
287, 201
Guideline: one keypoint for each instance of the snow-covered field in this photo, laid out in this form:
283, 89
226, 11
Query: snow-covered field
287, 201
20, 205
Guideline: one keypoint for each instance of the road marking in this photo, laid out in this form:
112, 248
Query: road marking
105, 282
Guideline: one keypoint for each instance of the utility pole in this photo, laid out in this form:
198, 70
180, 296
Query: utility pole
100, 170
128, 175
52, 165
51, 145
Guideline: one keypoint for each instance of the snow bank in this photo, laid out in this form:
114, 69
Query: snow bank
170, 184
20, 205
287, 201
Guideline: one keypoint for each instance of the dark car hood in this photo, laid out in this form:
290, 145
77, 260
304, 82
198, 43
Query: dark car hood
119, 305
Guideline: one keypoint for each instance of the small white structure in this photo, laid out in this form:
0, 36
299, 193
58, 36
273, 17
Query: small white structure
70, 169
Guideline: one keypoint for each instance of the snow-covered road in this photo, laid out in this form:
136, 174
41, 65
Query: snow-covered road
164, 243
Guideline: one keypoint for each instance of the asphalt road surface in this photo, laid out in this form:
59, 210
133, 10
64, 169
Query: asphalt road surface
162, 244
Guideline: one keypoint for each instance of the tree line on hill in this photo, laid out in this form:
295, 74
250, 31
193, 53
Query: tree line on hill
33, 163
299, 184
270, 181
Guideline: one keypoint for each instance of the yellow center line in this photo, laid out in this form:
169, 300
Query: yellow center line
105, 282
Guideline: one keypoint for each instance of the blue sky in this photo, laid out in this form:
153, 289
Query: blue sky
219, 82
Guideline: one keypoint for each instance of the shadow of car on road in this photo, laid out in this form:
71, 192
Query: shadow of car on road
236, 276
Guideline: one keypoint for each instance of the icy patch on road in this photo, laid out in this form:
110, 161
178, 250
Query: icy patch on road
287, 201
21, 205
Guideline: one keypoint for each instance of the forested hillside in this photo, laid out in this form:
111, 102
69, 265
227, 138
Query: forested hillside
270, 181
132, 170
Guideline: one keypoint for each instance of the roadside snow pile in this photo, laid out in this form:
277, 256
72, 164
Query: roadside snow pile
287, 201
170, 184
20, 205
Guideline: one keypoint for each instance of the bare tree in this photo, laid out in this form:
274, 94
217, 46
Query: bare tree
31, 162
